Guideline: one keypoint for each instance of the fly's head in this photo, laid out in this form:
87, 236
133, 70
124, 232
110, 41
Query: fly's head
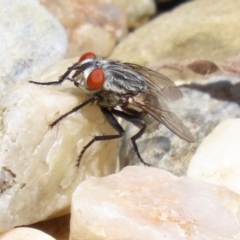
88, 75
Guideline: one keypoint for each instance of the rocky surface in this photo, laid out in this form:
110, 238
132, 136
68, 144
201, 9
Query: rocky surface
149, 203
38, 170
194, 30
219, 100
37, 164
31, 40
217, 158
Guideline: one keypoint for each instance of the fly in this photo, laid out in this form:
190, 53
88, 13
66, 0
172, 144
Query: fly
129, 91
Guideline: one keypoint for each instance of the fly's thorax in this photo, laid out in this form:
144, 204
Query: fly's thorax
119, 84
121, 79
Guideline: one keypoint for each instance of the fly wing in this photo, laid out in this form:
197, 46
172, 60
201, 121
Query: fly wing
158, 82
157, 108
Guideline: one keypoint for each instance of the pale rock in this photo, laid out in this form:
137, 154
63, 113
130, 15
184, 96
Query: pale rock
205, 29
38, 170
24, 233
148, 203
31, 40
217, 158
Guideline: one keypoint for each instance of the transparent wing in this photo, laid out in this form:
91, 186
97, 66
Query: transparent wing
157, 108
158, 82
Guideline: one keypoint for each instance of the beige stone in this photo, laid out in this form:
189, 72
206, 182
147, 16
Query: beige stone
142, 203
217, 158
24, 233
31, 40
38, 170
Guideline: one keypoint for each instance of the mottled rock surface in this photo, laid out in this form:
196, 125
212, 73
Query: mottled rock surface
38, 170
217, 158
149, 203
31, 40
204, 105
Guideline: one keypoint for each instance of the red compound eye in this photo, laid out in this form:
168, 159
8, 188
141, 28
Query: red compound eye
95, 79
86, 56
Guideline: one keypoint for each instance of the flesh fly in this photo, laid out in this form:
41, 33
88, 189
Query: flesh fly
129, 91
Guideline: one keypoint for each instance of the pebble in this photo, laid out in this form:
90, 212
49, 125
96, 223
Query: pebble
38, 172
148, 203
31, 40
217, 158
25, 233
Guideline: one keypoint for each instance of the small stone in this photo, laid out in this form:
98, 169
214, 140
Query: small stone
217, 158
31, 40
149, 203
24, 233
38, 172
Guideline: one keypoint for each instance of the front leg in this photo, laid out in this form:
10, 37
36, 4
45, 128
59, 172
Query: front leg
89, 100
62, 78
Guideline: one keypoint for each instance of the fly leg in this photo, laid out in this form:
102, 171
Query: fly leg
89, 100
61, 79
114, 123
138, 122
